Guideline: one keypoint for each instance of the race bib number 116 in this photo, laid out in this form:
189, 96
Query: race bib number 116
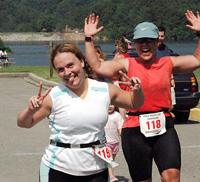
103, 153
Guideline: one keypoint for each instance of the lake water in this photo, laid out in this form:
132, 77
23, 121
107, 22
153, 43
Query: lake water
37, 53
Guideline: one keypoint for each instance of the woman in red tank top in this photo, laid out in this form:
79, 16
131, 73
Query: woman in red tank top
148, 133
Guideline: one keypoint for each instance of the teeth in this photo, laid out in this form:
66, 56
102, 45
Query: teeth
145, 50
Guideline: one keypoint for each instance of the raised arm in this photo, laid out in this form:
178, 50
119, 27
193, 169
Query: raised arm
188, 63
125, 99
38, 108
108, 69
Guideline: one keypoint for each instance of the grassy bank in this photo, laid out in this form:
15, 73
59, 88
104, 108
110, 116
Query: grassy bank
41, 71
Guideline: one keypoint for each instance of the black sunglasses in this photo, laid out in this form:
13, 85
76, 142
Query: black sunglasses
146, 40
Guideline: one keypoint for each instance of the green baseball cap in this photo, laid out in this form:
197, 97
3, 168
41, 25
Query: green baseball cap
145, 30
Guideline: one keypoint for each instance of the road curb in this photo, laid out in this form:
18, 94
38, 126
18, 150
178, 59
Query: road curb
195, 114
45, 82
13, 75
31, 76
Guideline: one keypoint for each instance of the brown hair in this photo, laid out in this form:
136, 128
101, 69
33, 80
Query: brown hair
66, 47
99, 50
122, 45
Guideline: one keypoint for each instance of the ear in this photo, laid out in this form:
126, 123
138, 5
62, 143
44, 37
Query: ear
82, 63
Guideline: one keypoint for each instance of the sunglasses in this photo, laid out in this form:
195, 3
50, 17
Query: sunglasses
146, 40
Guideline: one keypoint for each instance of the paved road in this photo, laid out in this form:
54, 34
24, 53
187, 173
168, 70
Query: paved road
21, 149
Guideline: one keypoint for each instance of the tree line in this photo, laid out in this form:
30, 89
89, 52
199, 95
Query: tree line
117, 16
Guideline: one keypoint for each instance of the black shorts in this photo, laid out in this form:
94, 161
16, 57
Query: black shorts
57, 176
140, 150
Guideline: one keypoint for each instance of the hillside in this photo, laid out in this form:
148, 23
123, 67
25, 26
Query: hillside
118, 17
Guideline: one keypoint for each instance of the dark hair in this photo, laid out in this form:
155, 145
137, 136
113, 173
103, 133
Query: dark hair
162, 29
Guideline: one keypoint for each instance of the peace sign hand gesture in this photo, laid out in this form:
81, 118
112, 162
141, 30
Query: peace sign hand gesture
90, 27
35, 102
194, 20
133, 83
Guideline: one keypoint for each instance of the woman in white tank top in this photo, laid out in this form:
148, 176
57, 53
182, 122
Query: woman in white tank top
77, 110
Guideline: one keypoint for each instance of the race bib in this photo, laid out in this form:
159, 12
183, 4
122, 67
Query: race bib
153, 124
102, 152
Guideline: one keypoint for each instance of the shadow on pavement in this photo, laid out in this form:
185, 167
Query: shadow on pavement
187, 122
122, 179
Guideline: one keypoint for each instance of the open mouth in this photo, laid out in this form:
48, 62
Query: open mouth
145, 50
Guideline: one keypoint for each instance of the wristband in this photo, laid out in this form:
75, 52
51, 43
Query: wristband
172, 78
198, 34
88, 39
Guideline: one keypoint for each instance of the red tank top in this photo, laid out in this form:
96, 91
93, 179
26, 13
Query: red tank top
155, 79
126, 55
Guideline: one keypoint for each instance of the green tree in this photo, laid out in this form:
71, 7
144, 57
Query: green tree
2, 46
117, 16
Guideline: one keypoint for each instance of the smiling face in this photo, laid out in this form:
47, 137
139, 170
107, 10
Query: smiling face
146, 49
161, 37
68, 60
69, 69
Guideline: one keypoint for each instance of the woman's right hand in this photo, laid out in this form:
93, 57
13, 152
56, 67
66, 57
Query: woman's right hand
90, 28
194, 20
35, 102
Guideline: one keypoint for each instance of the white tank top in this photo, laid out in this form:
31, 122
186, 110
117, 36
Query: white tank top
77, 121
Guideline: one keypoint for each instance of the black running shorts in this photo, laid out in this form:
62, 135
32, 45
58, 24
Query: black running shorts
57, 176
140, 150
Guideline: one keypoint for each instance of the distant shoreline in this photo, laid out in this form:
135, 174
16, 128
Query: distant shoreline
42, 36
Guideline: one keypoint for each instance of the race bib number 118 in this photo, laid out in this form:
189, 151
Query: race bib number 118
153, 124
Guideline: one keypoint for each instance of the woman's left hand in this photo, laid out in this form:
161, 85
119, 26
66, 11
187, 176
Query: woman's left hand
90, 28
194, 20
133, 83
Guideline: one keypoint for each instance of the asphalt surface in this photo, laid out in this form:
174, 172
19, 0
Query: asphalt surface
21, 149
